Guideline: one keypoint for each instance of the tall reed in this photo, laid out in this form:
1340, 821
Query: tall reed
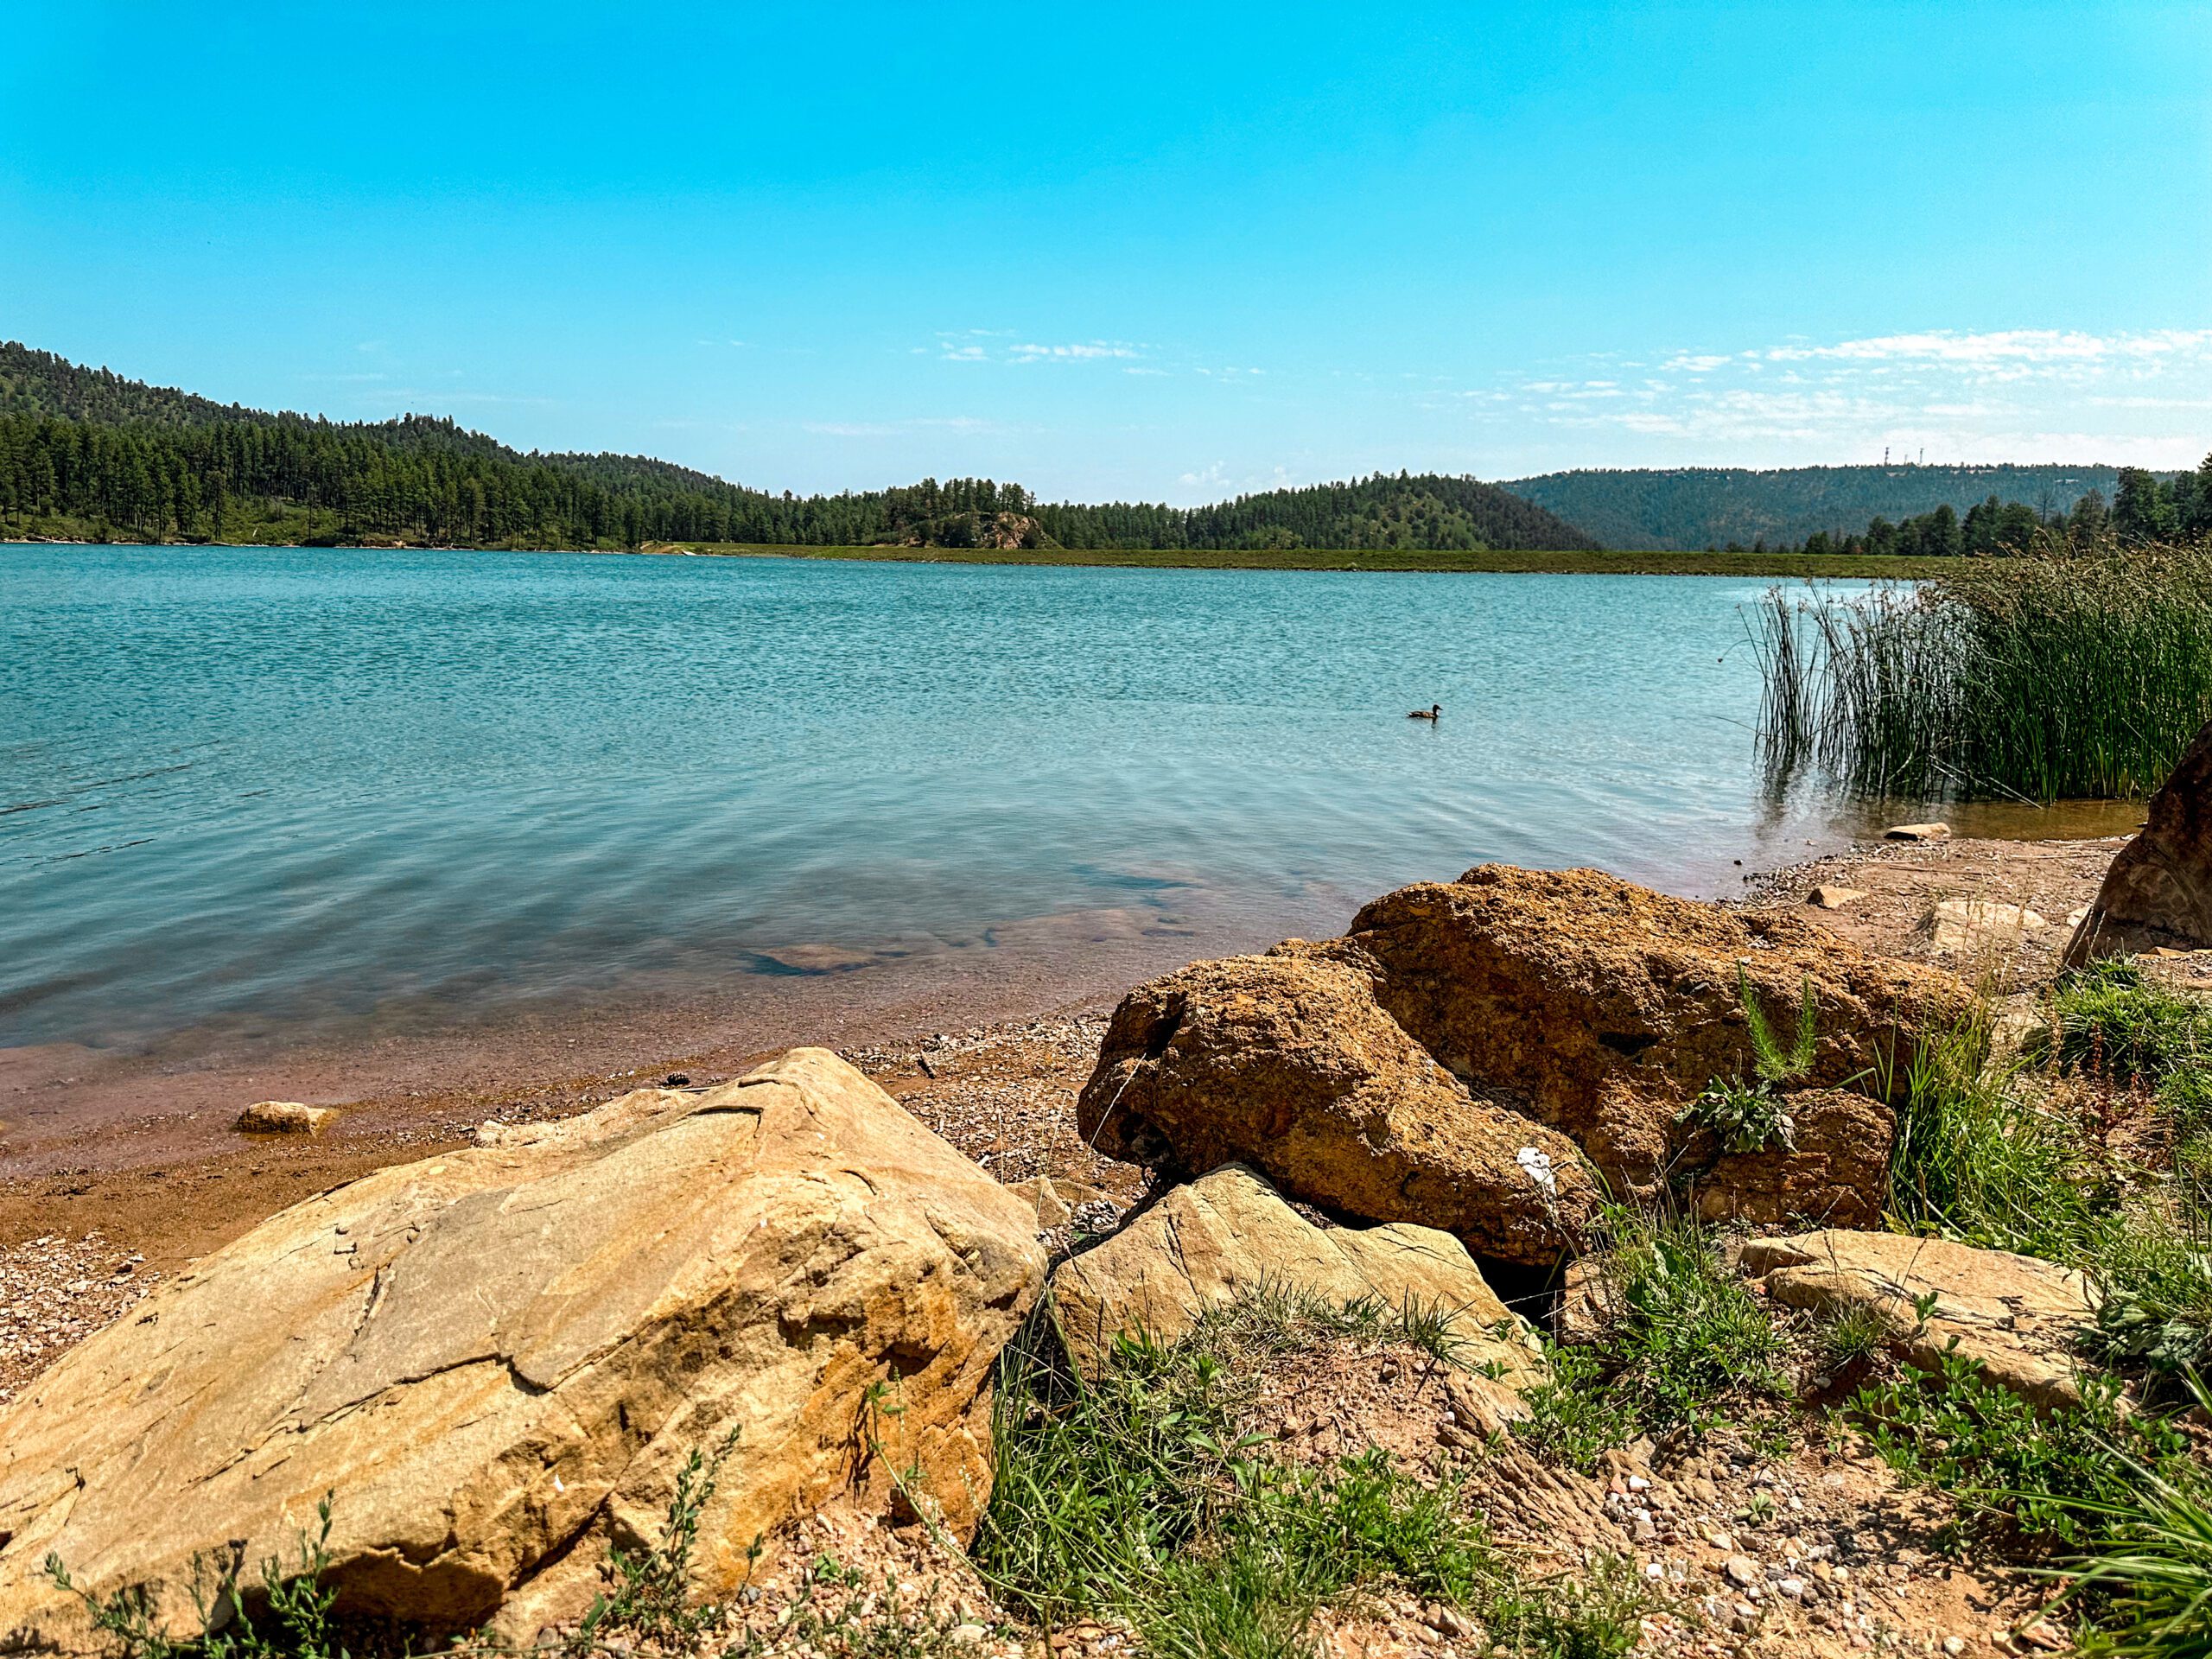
2043, 677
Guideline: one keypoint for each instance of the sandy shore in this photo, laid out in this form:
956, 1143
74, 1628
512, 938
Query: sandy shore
109, 1201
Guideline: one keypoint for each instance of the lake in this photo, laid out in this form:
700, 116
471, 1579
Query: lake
294, 788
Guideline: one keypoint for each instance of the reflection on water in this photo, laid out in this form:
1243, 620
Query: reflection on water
292, 786
2007, 820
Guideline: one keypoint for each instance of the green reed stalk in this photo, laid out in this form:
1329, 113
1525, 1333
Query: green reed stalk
2045, 678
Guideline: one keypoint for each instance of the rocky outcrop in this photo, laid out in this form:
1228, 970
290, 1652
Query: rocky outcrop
1453, 1059
499, 1359
1287, 1063
2158, 890
2016, 1315
1228, 1234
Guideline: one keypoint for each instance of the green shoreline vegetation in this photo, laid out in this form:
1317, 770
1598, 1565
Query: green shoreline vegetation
1485, 561
2072, 674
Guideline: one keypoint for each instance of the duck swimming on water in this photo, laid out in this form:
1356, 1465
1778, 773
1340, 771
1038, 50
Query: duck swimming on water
1429, 713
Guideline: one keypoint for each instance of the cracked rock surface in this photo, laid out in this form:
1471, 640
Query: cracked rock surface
499, 1358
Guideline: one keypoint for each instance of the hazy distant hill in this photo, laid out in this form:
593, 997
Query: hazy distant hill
1710, 506
86, 452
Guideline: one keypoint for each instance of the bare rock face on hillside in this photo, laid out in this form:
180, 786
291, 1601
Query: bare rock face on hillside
2015, 1314
1230, 1233
2158, 890
1286, 1063
1453, 1059
499, 1360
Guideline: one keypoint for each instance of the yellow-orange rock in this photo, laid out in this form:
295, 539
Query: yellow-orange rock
1230, 1234
499, 1359
1464, 1034
1286, 1063
2018, 1317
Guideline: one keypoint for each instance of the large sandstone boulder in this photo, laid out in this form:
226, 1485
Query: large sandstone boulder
1230, 1234
2158, 890
2018, 1316
499, 1360
1453, 1059
1286, 1063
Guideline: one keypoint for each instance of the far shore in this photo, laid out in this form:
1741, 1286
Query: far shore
1781, 566
1845, 566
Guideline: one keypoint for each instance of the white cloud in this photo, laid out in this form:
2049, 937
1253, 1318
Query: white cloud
2022, 394
980, 345
849, 428
1081, 350
2008, 347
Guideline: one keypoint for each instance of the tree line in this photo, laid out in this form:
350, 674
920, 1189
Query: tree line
2144, 509
1690, 508
87, 452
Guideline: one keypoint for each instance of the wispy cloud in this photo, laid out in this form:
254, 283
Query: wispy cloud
2005, 394
849, 428
2008, 347
1003, 345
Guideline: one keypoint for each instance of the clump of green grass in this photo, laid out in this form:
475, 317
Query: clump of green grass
1134, 1497
1683, 1335
1980, 1157
2113, 1017
1846, 1343
2045, 677
2042, 1473
2153, 1573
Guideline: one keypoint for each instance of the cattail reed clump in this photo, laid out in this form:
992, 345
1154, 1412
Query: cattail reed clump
2049, 676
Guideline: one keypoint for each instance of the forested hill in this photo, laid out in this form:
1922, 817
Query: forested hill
1424, 510
1712, 506
87, 452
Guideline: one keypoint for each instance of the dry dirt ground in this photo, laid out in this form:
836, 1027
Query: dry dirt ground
1809, 1548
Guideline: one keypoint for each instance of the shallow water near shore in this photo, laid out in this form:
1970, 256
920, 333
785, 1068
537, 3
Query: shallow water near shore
291, 793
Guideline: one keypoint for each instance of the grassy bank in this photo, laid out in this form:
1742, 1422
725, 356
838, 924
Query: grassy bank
2037, 678
1792, 565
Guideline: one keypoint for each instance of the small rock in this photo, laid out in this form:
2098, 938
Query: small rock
1793, 1588
1448, 1621
284, 1117
1955, 1645
1830, 898
1917, 832
677, 1080
1743, 1572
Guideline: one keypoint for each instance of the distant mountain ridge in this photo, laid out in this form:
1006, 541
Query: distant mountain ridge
1689, 508
85, 451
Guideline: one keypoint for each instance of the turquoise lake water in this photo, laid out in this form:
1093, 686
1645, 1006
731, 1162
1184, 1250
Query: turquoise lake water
306, 784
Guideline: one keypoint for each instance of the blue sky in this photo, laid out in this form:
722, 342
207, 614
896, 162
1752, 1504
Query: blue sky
1165, 253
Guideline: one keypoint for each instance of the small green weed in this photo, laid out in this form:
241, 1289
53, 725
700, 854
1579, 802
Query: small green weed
293, 1622
1772, 1062
1684, 1334
2044, 1472
651, 1597
2156, 1274
1744, 1117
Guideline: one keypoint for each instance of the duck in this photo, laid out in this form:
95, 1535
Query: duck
1429, 713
